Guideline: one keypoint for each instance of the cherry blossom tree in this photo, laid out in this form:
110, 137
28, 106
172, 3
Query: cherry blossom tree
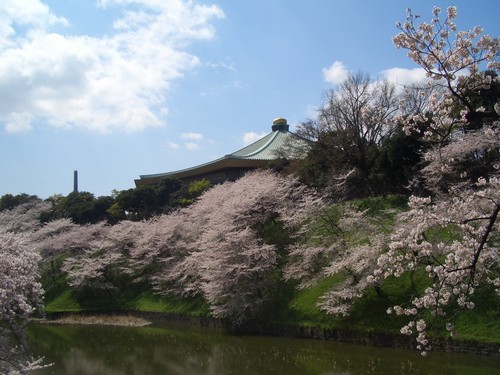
215, 248
158, 238
91, 255
458, 264
454, 59
20, 290
53, 237
349, 244
465, 134
96, 256
453, 234
20, 296
23, 218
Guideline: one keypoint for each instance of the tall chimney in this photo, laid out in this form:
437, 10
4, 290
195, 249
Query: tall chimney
75, 182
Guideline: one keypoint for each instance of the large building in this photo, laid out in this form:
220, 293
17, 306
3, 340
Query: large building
280, 143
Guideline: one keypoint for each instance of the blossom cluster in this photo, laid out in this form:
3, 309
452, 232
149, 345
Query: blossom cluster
351, 250
453, 60
453, 236
216, 250
456, 264
20, 296
213, 248
443, 51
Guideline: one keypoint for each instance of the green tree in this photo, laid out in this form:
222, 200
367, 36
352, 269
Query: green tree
146, 201
194, 190
166, 190
138, 203
397, 162
80, 207
9, 201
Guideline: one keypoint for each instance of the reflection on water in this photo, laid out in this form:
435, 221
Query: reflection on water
180, 349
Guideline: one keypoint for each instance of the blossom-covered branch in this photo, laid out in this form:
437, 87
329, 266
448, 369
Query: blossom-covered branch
453, 234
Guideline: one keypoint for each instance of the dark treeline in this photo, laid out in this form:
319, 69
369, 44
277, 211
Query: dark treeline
136, 204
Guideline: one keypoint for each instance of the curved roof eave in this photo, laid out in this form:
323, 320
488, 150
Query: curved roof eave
242, 154
214, 166
257, 154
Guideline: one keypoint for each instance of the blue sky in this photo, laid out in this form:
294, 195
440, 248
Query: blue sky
119, 88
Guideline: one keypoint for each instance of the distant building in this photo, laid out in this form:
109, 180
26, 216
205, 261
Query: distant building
280, 143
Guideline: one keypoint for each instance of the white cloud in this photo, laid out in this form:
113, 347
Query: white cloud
222, 65
336, 73
32, 13
401, 76
173, 146
17, 123
114, 82
192, 140
192, 136
251, 137
191, 146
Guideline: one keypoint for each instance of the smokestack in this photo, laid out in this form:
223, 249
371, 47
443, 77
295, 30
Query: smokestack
75, 182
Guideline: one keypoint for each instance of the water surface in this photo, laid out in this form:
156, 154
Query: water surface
181, 349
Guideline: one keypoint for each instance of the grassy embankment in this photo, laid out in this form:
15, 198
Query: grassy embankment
300, 307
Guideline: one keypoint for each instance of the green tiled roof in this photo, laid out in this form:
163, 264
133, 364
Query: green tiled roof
268, 147
279, 143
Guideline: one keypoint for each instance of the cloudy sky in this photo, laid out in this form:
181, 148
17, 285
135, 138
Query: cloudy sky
119, 88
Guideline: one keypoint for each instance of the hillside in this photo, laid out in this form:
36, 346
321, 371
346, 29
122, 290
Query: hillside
295, 303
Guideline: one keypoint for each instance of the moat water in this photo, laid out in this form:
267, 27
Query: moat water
166, 349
